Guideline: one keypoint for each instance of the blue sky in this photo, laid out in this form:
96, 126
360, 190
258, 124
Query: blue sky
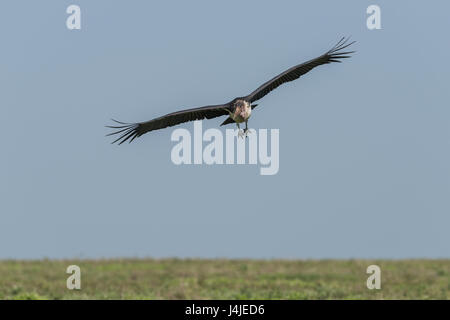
364, 145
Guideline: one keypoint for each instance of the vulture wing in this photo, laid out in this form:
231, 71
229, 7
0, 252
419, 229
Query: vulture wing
130, 131
333, 55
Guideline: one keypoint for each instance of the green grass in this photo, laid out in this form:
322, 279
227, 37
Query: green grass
225, 279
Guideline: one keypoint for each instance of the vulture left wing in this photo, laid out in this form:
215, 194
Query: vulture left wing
130, 131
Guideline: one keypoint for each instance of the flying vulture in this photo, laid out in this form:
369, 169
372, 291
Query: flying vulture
239, 109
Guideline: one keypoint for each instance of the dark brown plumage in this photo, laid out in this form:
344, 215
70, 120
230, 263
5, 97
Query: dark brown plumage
130, 131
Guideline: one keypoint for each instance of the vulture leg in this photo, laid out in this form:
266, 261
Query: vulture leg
246, 130
241, 133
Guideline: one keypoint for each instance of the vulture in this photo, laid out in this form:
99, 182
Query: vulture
239, 109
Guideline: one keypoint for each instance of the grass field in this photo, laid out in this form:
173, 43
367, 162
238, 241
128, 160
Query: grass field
225, 279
